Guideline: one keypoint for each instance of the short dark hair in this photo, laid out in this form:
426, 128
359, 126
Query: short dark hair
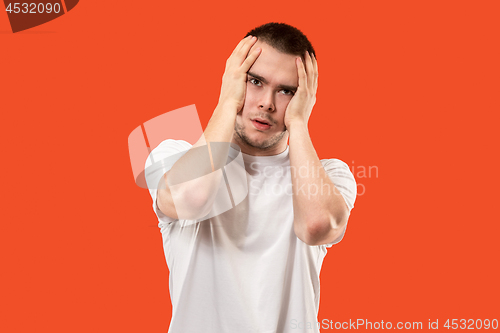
284, 38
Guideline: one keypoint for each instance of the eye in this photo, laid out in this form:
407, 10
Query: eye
287, 92
255, 82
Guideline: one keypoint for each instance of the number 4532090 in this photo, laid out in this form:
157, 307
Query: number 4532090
33, 8
471, 324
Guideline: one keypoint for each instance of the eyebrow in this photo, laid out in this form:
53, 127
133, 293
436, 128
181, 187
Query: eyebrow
280, 86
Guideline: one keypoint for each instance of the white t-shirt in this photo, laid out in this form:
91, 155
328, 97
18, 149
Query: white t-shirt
249, 274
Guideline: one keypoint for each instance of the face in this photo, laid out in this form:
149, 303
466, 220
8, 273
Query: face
271, 82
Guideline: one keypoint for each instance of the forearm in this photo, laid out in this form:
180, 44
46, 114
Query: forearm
219, 129
192, 182
320, 212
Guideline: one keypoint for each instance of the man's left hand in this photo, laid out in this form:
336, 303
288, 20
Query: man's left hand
300, 107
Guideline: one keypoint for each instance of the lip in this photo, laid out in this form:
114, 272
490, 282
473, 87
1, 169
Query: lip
262, 120
261, 127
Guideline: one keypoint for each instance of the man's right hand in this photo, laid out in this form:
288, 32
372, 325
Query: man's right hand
193, 199
234, 80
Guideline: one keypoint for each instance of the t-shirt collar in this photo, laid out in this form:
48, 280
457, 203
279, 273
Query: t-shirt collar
280, 158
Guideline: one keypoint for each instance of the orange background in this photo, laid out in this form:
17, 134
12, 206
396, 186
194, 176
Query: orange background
409, 87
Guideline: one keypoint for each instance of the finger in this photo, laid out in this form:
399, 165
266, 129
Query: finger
309, 70
315, 63
301, 70
250, 59
315, 72
241, 43
245, 48
236, 59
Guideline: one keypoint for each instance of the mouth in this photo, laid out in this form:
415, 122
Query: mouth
261, 124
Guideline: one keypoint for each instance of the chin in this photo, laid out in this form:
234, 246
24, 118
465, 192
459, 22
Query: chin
261, 140
250, 136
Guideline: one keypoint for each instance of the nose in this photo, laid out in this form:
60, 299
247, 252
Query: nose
266, 101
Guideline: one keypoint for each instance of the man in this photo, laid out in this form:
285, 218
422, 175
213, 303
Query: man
254, 267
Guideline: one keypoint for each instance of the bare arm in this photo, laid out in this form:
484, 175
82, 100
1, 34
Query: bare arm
183, 192
320, 211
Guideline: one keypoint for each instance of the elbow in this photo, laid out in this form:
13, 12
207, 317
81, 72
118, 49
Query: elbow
194, 199
318, 230
192, 205
322, 230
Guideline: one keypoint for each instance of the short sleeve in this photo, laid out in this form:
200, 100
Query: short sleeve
160, 160
344, 181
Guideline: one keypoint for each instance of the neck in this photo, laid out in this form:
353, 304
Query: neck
276, 149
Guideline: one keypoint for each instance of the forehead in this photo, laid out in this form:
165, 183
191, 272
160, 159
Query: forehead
275, 66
